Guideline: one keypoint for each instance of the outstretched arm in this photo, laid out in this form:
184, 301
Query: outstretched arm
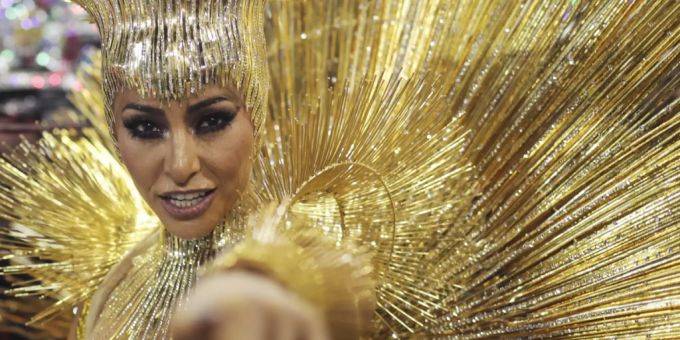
280, 281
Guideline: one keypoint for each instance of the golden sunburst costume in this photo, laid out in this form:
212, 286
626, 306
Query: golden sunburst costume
472, 169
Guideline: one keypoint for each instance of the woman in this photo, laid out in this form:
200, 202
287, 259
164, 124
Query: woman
509, 199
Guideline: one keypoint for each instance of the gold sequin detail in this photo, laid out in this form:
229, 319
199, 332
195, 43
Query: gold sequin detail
522, 159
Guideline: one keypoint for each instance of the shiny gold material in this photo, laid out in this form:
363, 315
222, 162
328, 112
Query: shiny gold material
332, 275
510, 169
71, 203
171, 49
140, 304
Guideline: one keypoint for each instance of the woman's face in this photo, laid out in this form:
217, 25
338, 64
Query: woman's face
190, 159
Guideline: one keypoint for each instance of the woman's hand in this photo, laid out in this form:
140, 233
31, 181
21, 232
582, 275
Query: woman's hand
241, 305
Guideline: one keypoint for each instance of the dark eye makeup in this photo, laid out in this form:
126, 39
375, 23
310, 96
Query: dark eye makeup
144, 128
213, 121
147, 128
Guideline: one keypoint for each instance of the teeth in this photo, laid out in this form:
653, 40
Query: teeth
184, 204
187, 197
186, 200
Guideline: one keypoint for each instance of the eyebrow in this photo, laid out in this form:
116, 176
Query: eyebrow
144, 108
195, 107
206, 103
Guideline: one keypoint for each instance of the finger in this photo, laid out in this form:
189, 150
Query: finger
313, 326
187, 327
285, 327
248, 323
287, 330
316, 330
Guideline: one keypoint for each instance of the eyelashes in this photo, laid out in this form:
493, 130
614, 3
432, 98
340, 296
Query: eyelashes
144, 128
213, 122
148, 128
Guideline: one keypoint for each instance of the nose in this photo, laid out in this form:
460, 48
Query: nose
182, 161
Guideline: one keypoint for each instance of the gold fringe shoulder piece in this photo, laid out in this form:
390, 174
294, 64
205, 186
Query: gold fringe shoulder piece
73, 208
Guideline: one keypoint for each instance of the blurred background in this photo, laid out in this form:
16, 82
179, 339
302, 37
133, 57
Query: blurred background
42, 42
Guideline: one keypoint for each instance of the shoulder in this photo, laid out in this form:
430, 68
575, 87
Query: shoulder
114, 277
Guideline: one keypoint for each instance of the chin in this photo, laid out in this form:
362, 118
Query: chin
189, 230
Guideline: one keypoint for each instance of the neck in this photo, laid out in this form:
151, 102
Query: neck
227, 233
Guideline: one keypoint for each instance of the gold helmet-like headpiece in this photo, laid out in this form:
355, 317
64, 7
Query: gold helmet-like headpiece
169, 49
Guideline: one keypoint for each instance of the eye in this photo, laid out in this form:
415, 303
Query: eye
143, 128
214, 122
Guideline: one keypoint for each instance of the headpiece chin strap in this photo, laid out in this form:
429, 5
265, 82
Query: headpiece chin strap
169, 49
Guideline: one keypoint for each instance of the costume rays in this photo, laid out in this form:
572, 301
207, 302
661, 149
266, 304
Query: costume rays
565, 225
75, 213
513, 168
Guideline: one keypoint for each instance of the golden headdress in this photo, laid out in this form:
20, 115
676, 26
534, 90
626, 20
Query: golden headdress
169, 49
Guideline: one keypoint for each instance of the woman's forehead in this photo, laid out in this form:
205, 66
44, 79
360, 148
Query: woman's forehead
127, 95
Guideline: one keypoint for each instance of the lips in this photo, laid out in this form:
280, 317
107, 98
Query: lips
187, 205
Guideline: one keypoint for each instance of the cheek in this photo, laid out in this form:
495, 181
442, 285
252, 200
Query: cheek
140, 160
229, 156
